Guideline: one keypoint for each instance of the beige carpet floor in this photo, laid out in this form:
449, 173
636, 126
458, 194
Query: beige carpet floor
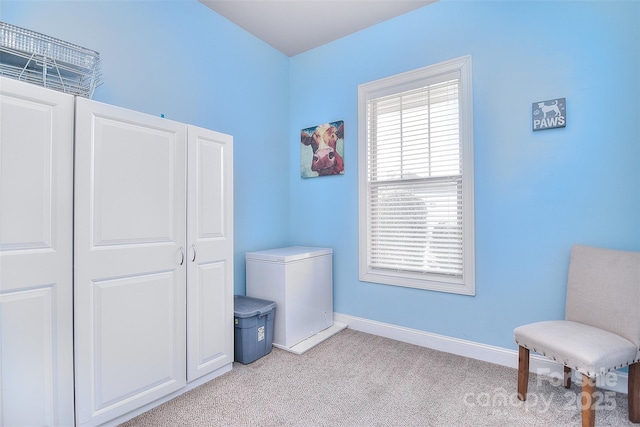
357, 379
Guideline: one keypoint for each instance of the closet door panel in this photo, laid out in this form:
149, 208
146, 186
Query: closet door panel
36, 202
133, 206
121, 316
210, 262
130, 258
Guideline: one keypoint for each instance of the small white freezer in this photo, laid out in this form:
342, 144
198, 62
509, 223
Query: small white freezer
299, 279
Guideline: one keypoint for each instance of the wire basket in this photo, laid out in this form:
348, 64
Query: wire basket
39, 59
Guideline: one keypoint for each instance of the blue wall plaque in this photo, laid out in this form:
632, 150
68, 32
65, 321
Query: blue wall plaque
549, 114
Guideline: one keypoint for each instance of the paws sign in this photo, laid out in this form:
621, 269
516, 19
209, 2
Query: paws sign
549, 114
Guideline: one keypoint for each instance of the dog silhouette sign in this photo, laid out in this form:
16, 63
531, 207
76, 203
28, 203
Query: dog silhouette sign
549, 114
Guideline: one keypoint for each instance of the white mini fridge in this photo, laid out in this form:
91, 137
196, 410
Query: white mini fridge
299, 279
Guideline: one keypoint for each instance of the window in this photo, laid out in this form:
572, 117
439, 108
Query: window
415, 145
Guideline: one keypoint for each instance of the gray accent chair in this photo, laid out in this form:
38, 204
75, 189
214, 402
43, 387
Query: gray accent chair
601, 330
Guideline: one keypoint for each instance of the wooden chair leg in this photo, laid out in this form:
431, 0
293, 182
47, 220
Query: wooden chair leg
523, 372
588, 401
634, 393
567, 377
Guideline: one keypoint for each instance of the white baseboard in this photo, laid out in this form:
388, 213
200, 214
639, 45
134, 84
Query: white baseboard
488, 353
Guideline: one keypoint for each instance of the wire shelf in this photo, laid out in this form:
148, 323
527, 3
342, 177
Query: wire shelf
39, 59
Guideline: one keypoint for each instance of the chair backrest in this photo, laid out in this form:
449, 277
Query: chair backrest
603, 290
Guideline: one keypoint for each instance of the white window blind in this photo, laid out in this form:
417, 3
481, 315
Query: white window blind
414, 183
415, 179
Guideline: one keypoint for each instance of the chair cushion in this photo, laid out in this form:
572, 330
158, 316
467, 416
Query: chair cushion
589, 350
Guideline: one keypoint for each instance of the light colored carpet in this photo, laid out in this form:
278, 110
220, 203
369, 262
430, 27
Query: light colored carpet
357, 379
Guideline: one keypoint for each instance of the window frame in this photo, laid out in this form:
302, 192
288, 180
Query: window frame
394, 85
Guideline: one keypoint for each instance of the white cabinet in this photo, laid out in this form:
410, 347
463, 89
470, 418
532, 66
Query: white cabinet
153, 275
36, 202
121, 275
130, 274
210, 252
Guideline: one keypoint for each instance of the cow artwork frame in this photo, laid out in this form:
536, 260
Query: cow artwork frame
322, 150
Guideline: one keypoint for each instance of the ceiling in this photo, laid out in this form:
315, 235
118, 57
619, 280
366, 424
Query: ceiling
295, 26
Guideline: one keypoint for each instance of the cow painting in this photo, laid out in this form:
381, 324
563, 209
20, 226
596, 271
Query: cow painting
322, 150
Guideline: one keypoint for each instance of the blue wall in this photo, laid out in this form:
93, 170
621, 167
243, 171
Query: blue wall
536, 193
180, 59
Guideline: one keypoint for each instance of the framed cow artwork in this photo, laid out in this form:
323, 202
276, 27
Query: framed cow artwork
322, 150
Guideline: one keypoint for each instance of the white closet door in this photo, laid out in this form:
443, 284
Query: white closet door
36, 203
210, 261
130, 260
